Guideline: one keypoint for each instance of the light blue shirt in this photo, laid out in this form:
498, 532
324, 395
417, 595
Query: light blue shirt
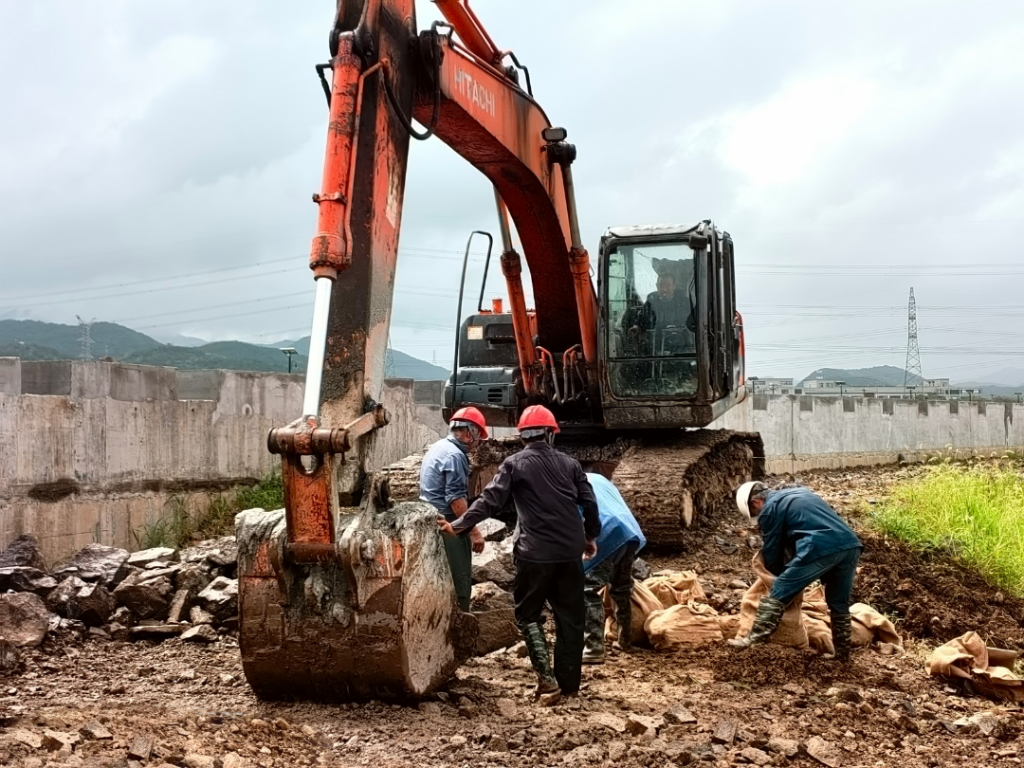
444, 475
618, 526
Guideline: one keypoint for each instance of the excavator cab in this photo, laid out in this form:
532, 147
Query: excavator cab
670, 338
671, 341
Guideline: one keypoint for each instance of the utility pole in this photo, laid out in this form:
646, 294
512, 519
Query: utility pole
289, 351
912, 376
85, 337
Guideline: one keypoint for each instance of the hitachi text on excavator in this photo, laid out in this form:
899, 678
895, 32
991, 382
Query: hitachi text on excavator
346, 593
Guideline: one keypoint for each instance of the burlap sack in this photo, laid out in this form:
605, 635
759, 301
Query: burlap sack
690, 624
644, 603
729, 625
869, 625
791, 631
677, 588
662, 590
968, 658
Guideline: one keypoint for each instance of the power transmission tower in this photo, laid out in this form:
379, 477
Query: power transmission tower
912, 375
85, 337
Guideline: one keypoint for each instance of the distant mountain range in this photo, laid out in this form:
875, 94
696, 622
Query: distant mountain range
34, 340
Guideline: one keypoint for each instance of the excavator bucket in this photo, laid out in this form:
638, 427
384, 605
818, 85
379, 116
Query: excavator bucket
342, 595
377, 620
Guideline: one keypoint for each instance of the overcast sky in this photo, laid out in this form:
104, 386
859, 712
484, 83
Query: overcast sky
157, 161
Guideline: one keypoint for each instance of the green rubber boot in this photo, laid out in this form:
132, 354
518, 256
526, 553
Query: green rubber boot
769, 614
624, 622
593, 638
537, 647
841, 636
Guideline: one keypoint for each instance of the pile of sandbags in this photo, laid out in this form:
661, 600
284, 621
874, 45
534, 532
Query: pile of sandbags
670, 609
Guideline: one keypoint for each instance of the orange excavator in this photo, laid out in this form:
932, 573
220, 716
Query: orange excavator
346, 593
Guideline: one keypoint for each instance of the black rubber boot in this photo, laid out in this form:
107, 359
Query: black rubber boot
841, 636
769, 614
537, 647
624, 622
593, 639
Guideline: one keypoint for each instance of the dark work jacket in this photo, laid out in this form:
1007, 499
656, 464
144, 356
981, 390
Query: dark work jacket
796, 520
549, 490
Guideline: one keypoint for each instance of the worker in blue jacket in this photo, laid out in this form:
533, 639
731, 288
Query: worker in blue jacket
795, 520
619, 541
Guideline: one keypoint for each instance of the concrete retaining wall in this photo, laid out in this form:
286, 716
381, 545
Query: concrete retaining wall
90, 452
801, 432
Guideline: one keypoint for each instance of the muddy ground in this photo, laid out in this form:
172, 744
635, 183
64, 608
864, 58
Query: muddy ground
176, 704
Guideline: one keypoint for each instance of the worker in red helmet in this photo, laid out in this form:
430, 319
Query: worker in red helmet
551, 541
444, 482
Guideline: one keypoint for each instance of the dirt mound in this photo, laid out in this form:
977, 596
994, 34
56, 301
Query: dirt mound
935, 596
776, 665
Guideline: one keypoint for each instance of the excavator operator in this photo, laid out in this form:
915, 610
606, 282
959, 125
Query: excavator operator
549, 488
444, 481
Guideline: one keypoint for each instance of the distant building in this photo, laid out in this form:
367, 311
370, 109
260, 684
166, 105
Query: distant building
770, 385
932, 389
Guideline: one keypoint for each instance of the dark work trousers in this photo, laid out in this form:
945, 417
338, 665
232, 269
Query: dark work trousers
836, 573
460, 560
616, 573
560, 585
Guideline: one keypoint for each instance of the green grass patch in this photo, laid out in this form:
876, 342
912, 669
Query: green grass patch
189, 519
973, 513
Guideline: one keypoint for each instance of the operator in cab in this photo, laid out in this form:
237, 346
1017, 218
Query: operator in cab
444, 483
795, 520
549, 490
612, 567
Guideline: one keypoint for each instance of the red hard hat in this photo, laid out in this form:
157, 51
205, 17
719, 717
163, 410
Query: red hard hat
473, 416
537, 416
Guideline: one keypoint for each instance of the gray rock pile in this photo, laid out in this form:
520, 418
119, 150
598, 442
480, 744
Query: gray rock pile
107, 592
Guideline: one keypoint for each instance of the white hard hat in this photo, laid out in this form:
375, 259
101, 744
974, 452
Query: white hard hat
743, 497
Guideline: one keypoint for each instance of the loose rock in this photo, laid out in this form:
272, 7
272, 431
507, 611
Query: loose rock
98, 563
141, 748
24, 620
54, 741
144, 557
10, 659
95, 730
201, 633
23, 551
725, 732
22, 578
824, 752
786, 747
28, 738
492, 530
179, 606
506, 708
639, 725
222, 552
91, 604
199, 761
755, 756
496, 629
489, 566
143, 600
679, 715
641, 570
198, 616
220, 598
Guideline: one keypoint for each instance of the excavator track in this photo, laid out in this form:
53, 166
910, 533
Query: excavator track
676, 485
